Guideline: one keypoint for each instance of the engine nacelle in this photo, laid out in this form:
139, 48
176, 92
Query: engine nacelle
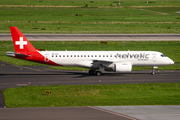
124, 67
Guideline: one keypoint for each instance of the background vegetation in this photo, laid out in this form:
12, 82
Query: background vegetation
88, 16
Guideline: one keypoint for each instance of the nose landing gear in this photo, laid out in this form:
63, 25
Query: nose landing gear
98, 73
153, 69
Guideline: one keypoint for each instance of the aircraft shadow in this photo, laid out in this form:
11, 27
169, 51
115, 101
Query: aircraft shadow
75, 74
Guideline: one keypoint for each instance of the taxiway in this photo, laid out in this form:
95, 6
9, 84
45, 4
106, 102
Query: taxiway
96, 37
17, 76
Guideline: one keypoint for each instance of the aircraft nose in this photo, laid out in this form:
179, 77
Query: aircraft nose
171, 61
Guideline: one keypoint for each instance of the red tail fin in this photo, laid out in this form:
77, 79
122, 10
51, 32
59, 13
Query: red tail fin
21, 43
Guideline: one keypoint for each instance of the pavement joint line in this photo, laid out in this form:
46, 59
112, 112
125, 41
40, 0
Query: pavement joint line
114, 113
21, 66
26, 68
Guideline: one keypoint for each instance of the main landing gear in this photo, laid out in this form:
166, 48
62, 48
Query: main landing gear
94, 72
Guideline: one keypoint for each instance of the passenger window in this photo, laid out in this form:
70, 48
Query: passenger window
56, 54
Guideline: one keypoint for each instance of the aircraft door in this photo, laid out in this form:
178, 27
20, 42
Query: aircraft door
154, 57
46, 59
110, 56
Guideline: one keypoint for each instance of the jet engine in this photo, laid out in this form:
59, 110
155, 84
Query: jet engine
124, 67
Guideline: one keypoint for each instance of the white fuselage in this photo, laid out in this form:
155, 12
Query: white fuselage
85, 58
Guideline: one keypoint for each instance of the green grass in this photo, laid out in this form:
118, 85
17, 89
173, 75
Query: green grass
91, 2
91, 28
68, 68
169, 48
88, 14
90, 19
94, 95
84, 15
171, 10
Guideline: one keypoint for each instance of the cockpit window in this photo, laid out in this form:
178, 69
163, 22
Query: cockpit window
162, 55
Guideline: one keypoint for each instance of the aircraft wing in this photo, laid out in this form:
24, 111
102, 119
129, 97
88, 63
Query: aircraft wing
91, 63
101, 62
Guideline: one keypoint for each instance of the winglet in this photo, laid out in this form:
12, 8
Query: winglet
21, 43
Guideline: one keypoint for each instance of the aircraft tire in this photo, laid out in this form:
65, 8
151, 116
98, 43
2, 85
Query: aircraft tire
98, 73
153, 73
91, 72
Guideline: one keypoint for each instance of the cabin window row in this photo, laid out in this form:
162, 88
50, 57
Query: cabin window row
54, 55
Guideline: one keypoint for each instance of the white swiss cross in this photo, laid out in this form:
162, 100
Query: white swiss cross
21, 43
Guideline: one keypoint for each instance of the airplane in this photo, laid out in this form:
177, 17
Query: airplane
96, 61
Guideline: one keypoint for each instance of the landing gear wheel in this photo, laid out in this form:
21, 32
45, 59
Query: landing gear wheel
153, 73
91, 72
98, 73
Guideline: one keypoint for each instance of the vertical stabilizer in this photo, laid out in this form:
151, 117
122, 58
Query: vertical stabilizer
21, 43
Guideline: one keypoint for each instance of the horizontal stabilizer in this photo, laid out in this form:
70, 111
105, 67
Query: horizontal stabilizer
21, 55
10, 54
13, 54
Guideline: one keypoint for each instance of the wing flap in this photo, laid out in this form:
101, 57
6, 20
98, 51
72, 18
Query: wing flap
101, 61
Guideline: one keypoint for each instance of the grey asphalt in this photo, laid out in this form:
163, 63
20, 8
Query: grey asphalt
96, 37
17, 76
59, 113
156, 112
